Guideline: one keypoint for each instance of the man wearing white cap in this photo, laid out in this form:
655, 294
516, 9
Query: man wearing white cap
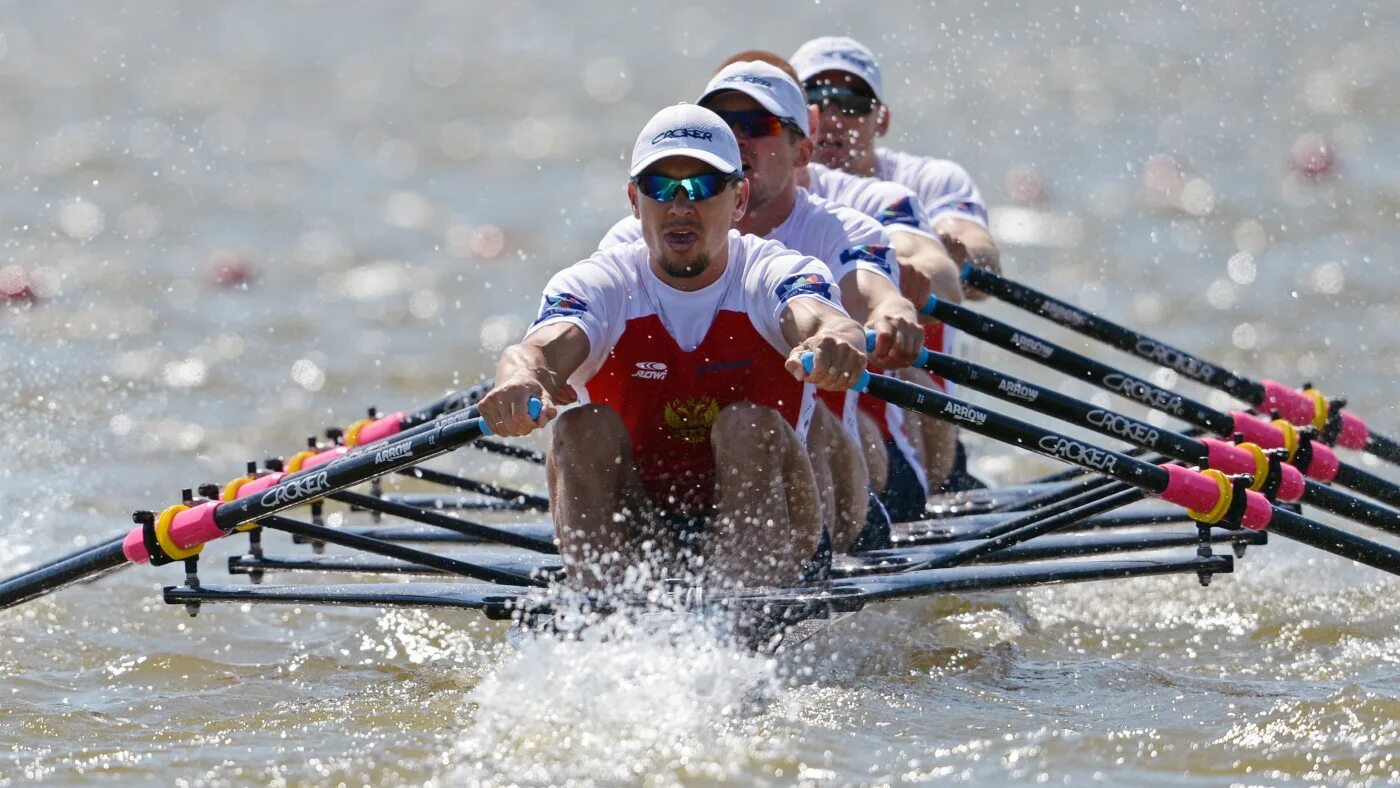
685, 346
842, 79
843, 83
769, 115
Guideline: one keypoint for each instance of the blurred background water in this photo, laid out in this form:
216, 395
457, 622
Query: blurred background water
229, 225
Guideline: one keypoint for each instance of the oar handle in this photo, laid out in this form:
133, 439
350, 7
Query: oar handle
534, 407
809, 360
870, 336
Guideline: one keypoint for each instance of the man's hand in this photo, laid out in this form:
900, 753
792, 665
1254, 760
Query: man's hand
836, 362
506, 407
969, 242
898, 336
914, 283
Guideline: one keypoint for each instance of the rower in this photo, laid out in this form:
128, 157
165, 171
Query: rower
769, 115
685, 347
897, 450
843, 82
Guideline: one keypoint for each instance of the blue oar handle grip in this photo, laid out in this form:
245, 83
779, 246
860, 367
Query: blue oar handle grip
809, 360
534, 407
870, 347
930, 305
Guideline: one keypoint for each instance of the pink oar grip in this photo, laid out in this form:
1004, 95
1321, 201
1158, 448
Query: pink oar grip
259, 484
189, 528
1355, 434
1231, 459
1199, 492
1324, 465
329, 455
381, 428
1257, 431
1292, 404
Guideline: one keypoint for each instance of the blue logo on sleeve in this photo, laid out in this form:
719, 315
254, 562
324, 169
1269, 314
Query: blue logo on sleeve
899, 212
803, 284
561, 305
877, 254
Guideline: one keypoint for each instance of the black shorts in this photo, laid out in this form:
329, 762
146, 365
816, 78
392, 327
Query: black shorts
904, 497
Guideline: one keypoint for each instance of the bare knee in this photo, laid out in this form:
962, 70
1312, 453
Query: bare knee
743, 424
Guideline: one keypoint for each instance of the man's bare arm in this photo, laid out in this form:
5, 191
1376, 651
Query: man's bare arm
836, 342
539, 366
969, 241
925, 268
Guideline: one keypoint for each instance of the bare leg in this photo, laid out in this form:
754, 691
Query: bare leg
939, 438
769, 522
591, 482
873, 444
840, 468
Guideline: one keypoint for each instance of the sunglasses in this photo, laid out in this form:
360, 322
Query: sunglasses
848, 101
697, 187
756, 123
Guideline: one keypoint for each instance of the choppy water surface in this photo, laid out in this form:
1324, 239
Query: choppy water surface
395, 183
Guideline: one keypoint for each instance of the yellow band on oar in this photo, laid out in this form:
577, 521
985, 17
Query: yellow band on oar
1222, 504
1290, 437
1320, 407
352, 434
294, 464
163, 535
231, 489
1261, 465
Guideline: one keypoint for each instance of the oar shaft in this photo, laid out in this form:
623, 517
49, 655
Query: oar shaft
57, 574
1171, 483
1175, 445
1303, 408
1111, 333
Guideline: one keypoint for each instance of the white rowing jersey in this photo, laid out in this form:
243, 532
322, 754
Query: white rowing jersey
944, 187
668, 361
894, 206
843, 238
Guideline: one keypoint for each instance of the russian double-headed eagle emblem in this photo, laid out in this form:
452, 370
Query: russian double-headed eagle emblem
691, 419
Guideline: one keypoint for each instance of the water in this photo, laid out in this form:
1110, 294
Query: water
399, 182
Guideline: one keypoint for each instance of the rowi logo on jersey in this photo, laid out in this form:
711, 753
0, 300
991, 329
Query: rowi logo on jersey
1017, 389
682, 133
293, 490
561, 305
899, 212
1032, 345
868, 253
691, 419
803, 284
965, 413
650, 370
1077, 453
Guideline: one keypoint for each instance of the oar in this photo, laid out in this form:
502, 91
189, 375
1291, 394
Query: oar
1209, 496
1286, 480
1303, 408
1314, 458
181, 532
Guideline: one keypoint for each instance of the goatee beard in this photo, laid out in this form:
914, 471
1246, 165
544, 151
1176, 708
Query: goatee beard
686, 270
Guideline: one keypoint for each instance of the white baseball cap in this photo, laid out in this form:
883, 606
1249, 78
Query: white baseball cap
768, 85
687, 130
838, 53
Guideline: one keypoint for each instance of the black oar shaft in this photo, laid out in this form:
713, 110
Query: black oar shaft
390, 550
439, 520
1150, 478
1112, 380
1116, 425
57, 574
1111, 333
527, 500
